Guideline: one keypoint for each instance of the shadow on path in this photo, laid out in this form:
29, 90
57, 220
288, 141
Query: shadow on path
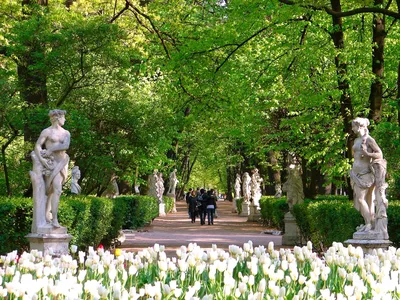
176, 229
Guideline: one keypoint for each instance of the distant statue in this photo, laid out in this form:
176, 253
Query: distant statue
246, 187
294, 184
173, 181
256, 187
160, 188
368, 180
238, 186
278, 190
151, 183
76, 175
50, 170
115, 187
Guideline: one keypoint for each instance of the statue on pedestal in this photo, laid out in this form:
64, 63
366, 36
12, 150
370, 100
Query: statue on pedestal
294, 184
160, 188
173, 181
246, 187
368, 182
50, 170
151, 183
75, 176
256, 187
238, 186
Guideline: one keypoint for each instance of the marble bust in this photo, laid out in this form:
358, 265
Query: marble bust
75, 176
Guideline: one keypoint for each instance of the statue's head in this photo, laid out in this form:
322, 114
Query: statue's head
56, 114
360, 125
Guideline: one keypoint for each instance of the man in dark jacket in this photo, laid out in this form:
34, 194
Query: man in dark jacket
202, 199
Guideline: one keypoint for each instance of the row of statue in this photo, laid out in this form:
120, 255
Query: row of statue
156, 185
251, 187
50, 169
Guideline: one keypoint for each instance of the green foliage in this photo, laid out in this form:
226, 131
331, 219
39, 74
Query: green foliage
273, 211
393, 213
141, 210
15, 223
90, 220
169, 204
239, 203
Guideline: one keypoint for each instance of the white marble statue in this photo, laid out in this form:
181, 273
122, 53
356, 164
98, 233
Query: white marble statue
75, 176
173, 181
246, 187
115, 187
151, 183
160, 188
278, 190
256, 187
368, 181
238, 186
294, 184
50, 170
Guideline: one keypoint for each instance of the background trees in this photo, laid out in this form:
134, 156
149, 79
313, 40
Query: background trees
226, 86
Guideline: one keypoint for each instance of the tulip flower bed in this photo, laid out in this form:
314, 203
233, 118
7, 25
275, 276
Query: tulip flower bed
241, 273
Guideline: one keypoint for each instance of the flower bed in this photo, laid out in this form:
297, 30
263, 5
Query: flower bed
241, 273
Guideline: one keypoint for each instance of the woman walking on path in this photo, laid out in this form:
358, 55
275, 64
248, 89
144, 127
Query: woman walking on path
192, 201
211, 206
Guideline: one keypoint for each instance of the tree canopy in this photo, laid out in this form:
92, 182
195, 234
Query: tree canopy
222, 85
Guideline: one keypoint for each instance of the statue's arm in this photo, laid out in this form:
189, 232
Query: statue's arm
38, 146
376, 151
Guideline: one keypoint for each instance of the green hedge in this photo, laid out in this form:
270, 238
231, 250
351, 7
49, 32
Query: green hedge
326, 221
273, 211
239, 203
15, 223
90, 220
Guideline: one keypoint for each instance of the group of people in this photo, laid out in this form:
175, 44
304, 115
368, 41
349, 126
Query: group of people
201, 203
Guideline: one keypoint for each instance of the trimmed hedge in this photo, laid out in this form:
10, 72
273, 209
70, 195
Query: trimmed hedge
15, 223
326, 221
273, 211
90, 220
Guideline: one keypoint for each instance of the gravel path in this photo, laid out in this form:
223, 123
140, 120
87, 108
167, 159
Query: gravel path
176, 229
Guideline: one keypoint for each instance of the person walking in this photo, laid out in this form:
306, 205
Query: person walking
211, 206
193, 205
187, 197
202, 204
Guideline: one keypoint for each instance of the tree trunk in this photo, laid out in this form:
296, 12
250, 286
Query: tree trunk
230, 178
378, 45
346, 107
398, 94
4, 161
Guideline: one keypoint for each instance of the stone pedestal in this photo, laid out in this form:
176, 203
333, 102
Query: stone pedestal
50, 239
245, 210
174, 198
292, 233
161, 210
254, 214
369, 241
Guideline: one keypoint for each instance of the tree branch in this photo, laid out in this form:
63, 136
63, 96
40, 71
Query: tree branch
152, 25
363, 10
120, 12
240, 45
